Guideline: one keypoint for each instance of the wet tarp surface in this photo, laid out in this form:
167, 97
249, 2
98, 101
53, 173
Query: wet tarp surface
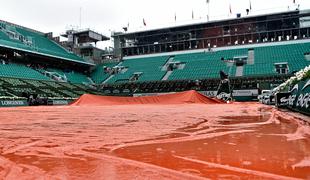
150, 141
187, 97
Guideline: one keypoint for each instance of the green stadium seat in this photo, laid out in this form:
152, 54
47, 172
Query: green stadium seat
20, 71
72, 77
98, 75
204, 65
150, 68
36, 43
266, 57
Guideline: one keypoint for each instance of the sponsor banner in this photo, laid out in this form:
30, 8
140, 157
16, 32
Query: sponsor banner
13, 103
58, 102
245, 93
281, 99
236, 93
151, 94
209, 93
299, 98
206, 93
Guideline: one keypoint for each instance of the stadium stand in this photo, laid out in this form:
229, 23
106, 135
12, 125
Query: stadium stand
70, 75
24, 39
77, 78
150, 69
99, 74
265, 57
207, 64
20, 71
15, 87
32, 63
26, 66
202, 65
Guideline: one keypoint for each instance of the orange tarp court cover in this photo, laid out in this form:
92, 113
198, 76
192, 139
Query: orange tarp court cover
177, 136
191, 97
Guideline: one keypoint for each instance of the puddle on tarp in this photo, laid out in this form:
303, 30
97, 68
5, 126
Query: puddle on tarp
190, 141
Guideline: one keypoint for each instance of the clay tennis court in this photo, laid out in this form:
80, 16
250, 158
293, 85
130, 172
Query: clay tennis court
180, 136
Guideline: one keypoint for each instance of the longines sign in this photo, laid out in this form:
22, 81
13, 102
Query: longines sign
10, 103
299, 98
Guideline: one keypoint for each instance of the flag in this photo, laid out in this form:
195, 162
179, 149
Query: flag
144, 23
250, 6
230, 11
192, 14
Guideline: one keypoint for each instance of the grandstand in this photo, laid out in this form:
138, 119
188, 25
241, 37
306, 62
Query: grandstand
20, 71
17, 79
20, 38
99, 75
256, 52
278, 60
150, 69
32, 63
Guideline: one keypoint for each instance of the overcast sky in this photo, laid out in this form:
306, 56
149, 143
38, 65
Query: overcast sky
111, 15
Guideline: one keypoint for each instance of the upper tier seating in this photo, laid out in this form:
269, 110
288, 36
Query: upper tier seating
27, 40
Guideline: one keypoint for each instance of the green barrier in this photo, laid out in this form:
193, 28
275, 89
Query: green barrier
299, 99
58, 102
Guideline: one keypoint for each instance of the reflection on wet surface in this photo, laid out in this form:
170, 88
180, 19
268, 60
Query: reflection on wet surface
224, 141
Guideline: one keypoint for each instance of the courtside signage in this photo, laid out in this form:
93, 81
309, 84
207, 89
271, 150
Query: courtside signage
299, 98
10, 103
